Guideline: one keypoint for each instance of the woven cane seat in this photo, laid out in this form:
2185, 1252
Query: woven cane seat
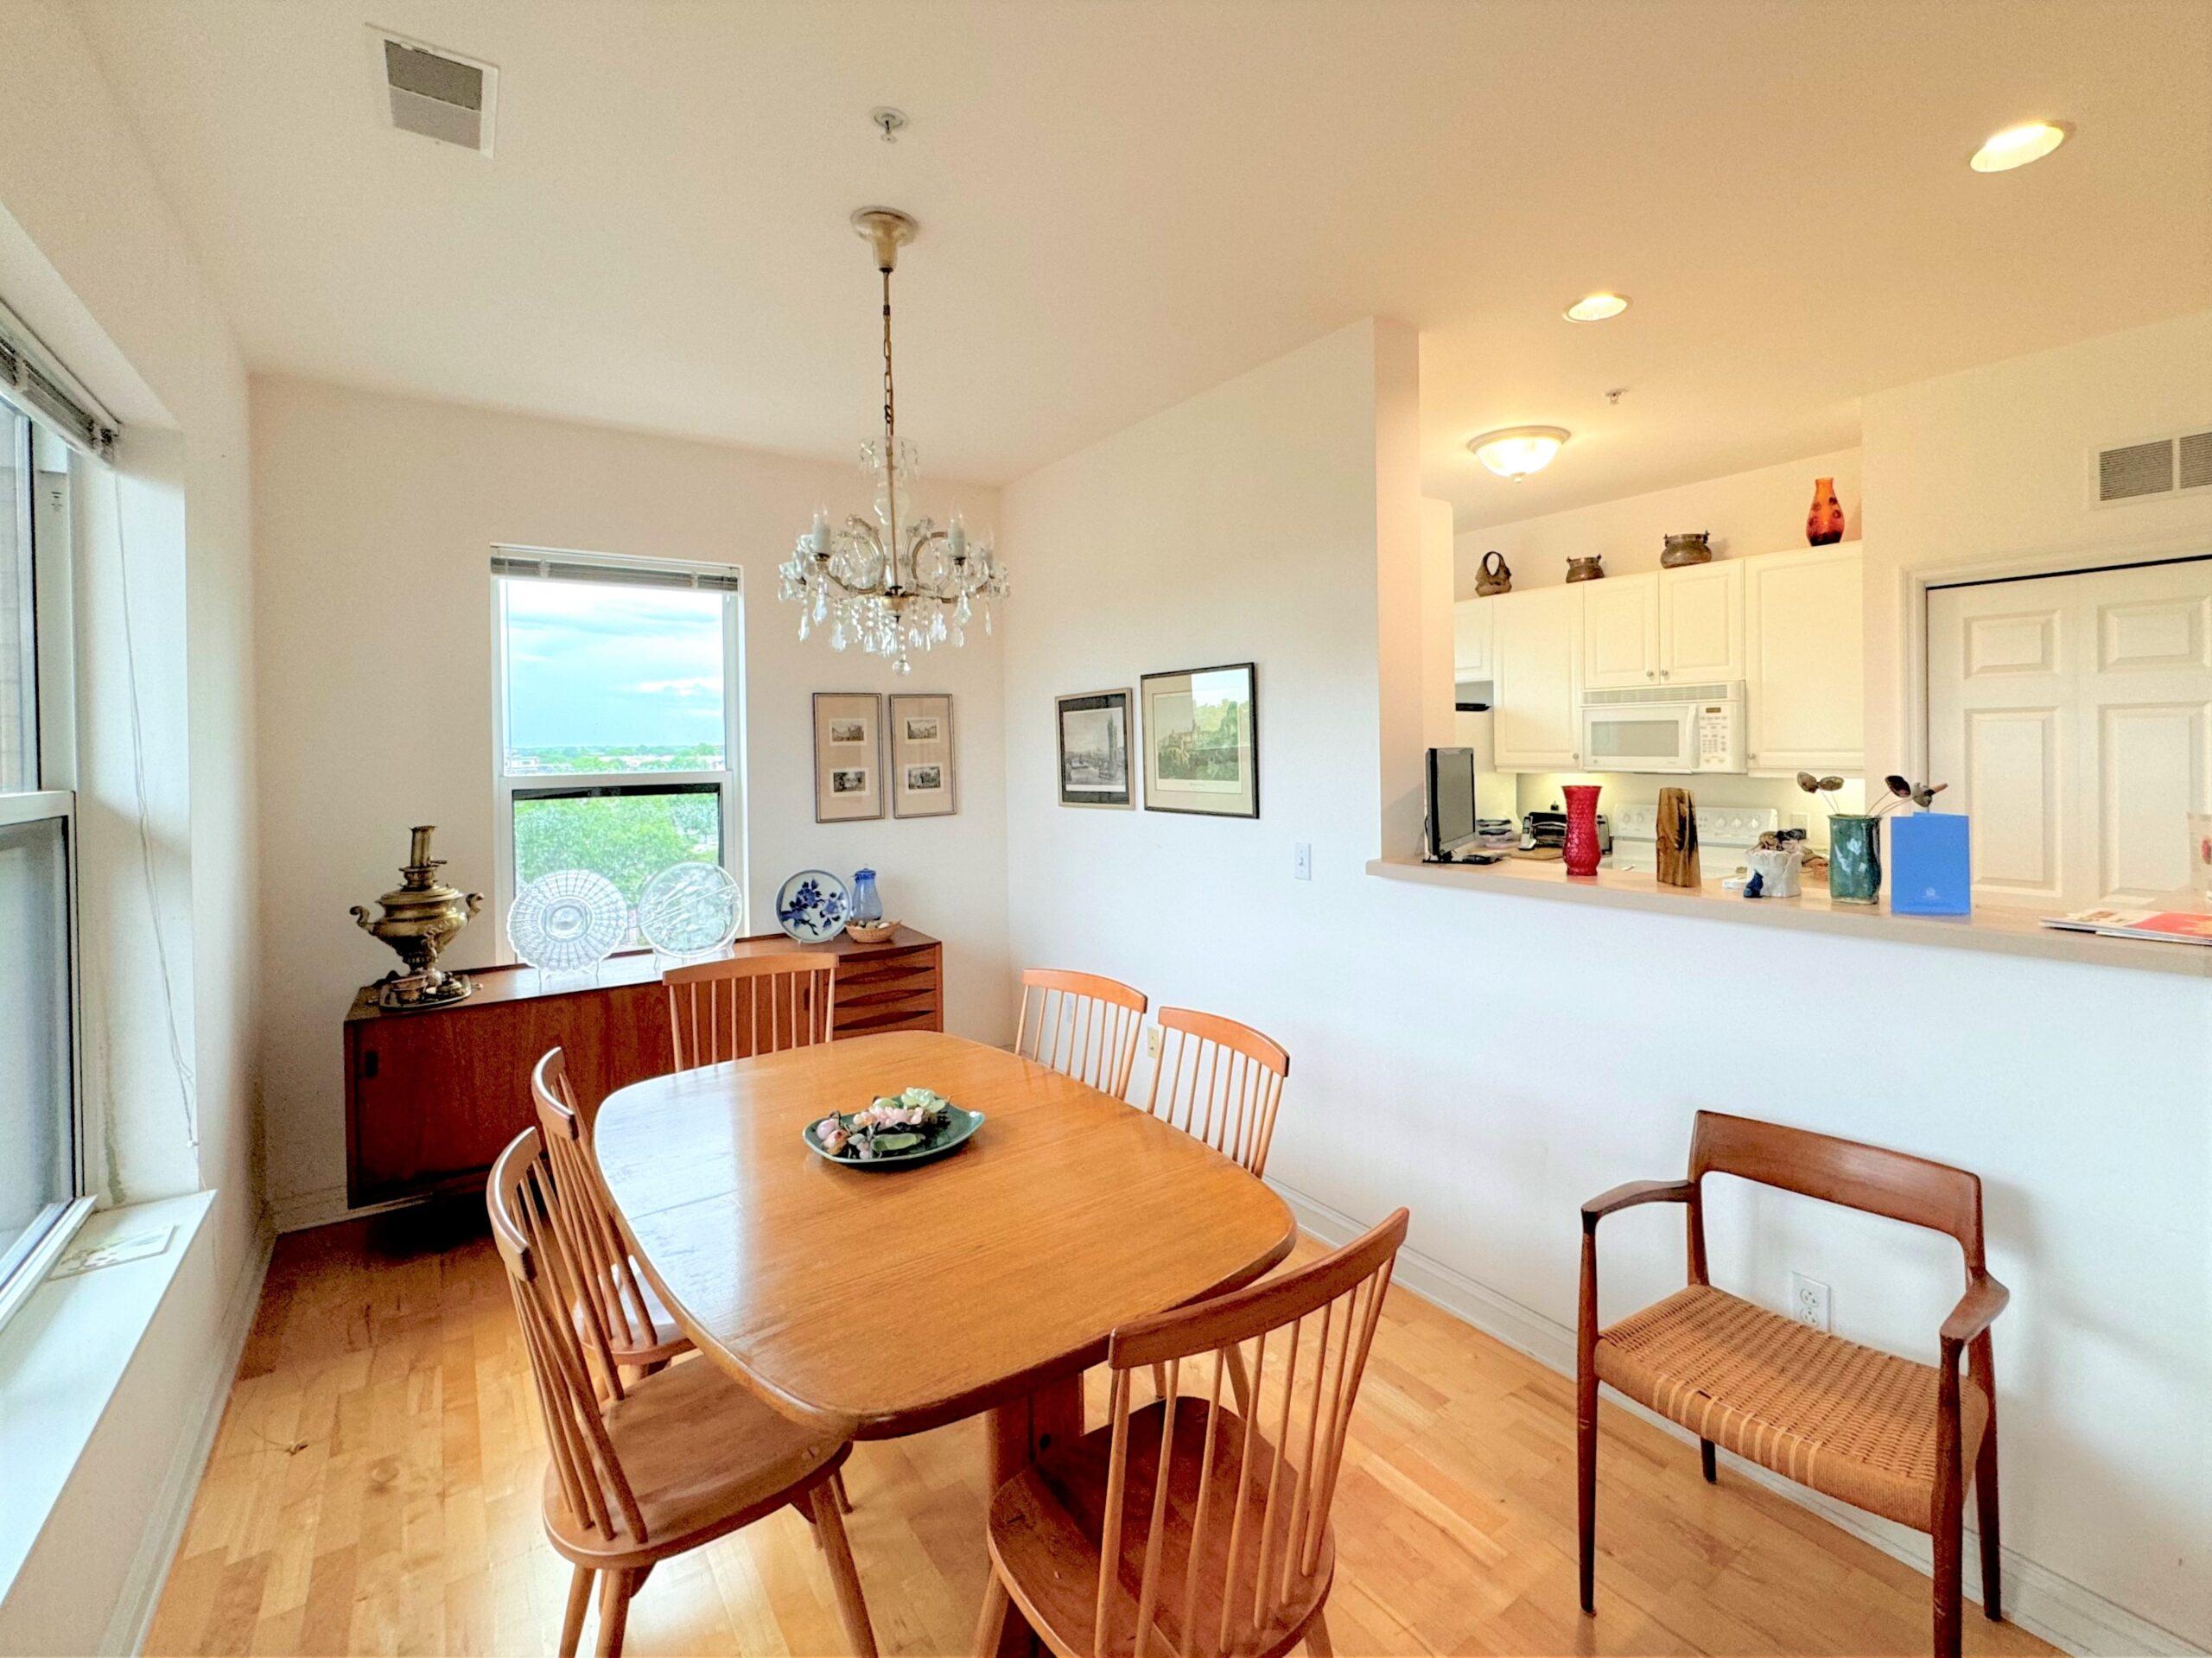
1852, 1422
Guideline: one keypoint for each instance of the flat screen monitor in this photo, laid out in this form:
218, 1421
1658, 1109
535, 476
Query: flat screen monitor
1450, 800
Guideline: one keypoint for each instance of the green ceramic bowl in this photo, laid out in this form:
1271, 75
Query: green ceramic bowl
960, 1126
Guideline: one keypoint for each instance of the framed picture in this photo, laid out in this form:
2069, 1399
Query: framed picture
922, 781
848, 756
1095, 748
1202, 741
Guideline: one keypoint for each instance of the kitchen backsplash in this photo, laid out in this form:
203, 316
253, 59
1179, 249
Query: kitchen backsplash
1540, 792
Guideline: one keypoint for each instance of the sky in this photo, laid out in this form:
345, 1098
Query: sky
593, 663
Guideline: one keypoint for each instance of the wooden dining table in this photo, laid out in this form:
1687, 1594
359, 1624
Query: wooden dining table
894, 1301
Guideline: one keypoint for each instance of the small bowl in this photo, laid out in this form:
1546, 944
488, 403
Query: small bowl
872, 932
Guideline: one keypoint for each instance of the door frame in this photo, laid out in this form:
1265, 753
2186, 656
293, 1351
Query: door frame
1916, 582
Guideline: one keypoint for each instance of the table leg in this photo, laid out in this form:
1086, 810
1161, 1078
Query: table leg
1018, 1432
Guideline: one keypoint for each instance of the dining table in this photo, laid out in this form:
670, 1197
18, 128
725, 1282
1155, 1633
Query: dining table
890, 1300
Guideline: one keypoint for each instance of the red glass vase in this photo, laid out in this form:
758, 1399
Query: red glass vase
1581, 848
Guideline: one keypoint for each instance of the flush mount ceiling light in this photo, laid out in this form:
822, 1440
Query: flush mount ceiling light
1597, 307
2018, 146
1516, 451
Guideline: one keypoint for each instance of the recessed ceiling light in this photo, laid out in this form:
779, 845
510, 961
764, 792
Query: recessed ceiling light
1596, 308
2018, 146
1516, 451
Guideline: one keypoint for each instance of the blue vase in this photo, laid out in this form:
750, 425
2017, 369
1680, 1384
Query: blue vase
867, 906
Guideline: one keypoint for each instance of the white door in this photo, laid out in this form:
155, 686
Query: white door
1470, 630
2072, 717
1620, 632
1535, 646
1701, 623
1804, 679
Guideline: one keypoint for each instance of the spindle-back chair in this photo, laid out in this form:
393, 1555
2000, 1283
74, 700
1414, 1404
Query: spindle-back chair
1220, 1081
663, 1465
1185, 1528
746, 1005
1083, 1025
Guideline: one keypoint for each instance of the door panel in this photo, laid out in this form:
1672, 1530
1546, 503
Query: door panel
1536, 648
1804, 630
2012, 766
1620, 632
1701, 623
2150, 777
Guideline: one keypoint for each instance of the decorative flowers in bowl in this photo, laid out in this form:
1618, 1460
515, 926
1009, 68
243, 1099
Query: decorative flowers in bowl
915, 1122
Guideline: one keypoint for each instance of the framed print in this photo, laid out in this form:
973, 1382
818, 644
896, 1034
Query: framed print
922, 781
1202, 741
848, 756
1095, 749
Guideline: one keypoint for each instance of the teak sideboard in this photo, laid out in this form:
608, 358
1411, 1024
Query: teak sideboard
432, 1096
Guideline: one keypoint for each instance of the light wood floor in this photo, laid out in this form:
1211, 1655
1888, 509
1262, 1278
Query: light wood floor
374, 1488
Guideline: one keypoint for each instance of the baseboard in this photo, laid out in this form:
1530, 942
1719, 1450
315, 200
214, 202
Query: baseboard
325, 1206
164, 1526
2071, 1617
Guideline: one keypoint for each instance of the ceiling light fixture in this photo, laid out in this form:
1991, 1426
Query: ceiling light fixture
2018, 146
900, 583
1516, 451
1597, 307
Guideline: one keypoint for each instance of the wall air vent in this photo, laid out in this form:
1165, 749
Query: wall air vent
435, 92
2164, 466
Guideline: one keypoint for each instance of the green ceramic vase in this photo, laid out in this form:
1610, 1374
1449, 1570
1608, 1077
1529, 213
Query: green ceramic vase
1854, 859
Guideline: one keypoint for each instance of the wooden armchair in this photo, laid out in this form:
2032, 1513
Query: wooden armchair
1875, 1431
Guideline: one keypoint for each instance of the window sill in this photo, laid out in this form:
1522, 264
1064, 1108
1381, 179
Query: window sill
63, 1355
2004, 932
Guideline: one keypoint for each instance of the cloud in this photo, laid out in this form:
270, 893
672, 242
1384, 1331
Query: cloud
698, 685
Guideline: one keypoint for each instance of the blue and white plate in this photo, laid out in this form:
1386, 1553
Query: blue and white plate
811, 906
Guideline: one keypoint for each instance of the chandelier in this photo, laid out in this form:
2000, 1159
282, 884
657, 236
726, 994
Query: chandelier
900, 583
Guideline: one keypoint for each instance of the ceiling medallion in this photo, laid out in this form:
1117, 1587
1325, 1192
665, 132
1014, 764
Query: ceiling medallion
900, 583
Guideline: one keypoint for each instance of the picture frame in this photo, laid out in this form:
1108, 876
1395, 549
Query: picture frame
925, 780
848, 756
1095, 745
1202, 741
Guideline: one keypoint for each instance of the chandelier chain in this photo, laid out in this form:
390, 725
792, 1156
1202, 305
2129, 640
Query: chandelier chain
890, 404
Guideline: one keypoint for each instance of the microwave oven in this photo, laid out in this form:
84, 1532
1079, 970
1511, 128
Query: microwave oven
1664, 728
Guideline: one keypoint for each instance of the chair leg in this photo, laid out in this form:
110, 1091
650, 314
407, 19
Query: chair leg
990, 1627
572, 1621
1240, 1381
1706, 1460
852, 1605
614, 1590
838, 1484
1585, 1478
1317, 1644
1949, 1536
1985, 1496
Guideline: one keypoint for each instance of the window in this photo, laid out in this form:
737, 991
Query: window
41, 1173
617, 719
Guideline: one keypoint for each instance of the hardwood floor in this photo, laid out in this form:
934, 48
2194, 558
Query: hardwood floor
374, 1488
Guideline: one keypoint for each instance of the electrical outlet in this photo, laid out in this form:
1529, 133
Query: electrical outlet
1301, 861
1808, 1300
1152, 1043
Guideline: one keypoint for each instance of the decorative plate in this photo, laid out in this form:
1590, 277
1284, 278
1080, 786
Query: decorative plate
567, 921
860, 1140
811, 906
690, 909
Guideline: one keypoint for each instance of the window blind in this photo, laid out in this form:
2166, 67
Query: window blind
566, 567
40, 388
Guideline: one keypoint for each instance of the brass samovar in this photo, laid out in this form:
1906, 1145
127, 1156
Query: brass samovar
421, 916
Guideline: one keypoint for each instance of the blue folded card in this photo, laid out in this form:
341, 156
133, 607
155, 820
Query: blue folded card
1931, 866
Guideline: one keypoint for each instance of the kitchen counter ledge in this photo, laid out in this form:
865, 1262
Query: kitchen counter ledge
2006, 932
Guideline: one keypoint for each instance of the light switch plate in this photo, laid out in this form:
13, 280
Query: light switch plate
1301, 861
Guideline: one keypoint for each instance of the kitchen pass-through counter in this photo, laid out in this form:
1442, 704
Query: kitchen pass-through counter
2006, 932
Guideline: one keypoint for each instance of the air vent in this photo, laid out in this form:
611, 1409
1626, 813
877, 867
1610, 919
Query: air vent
436, 93
2133, 472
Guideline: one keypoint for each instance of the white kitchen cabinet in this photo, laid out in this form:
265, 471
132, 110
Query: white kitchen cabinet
1702, 623
1535, 667
1804, 683
1471, 639
1620, 632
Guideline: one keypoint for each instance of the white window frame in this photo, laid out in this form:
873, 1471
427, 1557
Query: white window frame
730, 780
25, 1264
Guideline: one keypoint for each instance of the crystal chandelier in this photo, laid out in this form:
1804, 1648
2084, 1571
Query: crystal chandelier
900, 583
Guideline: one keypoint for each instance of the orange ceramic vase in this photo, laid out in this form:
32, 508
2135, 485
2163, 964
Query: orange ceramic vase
1824, 525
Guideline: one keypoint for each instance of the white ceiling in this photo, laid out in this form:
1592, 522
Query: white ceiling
1123, 204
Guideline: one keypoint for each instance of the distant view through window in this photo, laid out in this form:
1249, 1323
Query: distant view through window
617, 725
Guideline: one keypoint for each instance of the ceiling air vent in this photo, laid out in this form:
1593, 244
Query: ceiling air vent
2194, 453
438, 93
2134, 472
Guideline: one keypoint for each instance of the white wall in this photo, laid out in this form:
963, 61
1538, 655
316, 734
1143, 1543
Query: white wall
92, 260
1747, 512
375, 518
1992, 466
1492, 1060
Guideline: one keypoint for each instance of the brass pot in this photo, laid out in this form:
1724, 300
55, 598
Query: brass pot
1591, 568
1691, 547
421, 916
